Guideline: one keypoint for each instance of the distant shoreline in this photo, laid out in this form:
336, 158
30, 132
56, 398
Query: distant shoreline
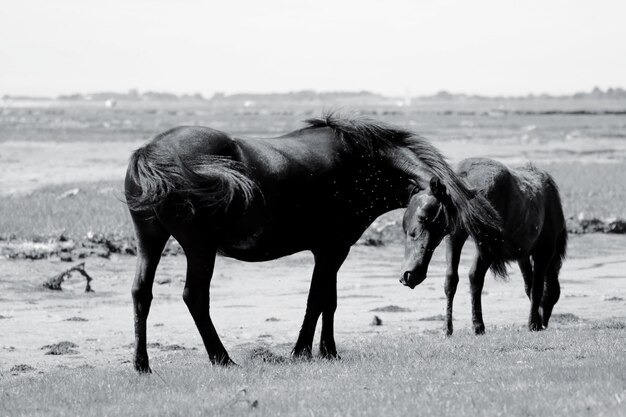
617, 93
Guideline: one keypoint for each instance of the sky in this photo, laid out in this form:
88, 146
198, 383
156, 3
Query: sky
392, 47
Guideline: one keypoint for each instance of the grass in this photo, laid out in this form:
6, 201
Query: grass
567, 370
596, 189
97, 208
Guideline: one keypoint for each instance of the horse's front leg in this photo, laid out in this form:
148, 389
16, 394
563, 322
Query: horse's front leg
322, 300
527, 272
477, 280
200, 263
454, 246
151, 239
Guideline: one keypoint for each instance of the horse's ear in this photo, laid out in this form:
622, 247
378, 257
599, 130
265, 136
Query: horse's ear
438, 189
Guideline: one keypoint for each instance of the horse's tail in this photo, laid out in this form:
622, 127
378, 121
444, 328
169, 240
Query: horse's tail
470, 210
156, 176
561, 241
561, 251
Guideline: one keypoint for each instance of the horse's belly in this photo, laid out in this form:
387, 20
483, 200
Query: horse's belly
259, 247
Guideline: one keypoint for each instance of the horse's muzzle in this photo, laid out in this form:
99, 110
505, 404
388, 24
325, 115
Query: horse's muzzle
411, 279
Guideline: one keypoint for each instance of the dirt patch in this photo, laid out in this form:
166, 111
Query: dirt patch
91, 245
21, 368
438, 317
61, 348
391, 309
565, 318
264, 354
163, 347
76, 318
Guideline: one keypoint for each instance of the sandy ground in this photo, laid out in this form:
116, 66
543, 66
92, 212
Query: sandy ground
263, 303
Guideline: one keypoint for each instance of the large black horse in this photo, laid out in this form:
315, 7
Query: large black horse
314, 189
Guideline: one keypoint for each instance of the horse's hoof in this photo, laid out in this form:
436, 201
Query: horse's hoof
302, 354
142, 367
479, 329
448, 330
224, 361
535, 327
331, 356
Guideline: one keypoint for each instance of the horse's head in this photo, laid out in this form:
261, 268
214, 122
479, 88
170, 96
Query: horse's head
426, 222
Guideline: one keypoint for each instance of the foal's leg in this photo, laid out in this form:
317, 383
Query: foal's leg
322, 299
151, 239
200, 263
477, 280
542, 257
454, 246
527, 272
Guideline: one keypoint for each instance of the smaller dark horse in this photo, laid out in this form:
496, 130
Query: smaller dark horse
528, 202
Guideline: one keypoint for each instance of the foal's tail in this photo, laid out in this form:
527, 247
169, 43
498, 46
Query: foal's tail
561, 251
559, 217
157, 175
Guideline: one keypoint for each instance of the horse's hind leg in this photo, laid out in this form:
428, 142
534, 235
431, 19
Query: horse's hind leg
477, 280
454, 246
551, 291
200, 264
151, 239
542, 257
527, 272
322, 299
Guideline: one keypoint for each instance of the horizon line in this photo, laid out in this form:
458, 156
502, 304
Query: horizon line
443, 92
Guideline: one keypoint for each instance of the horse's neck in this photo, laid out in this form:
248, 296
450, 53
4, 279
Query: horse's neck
377, 191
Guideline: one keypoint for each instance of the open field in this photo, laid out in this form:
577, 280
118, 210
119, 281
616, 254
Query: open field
61, 170
573, 371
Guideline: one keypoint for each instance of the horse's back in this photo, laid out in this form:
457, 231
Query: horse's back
485, 175
195, 140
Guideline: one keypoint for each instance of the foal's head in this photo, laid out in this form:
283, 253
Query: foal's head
427, 220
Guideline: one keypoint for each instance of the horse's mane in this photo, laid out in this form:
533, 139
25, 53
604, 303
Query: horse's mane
363, 133
418, 158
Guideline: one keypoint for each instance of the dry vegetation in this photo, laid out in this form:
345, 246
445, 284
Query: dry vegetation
572, 370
